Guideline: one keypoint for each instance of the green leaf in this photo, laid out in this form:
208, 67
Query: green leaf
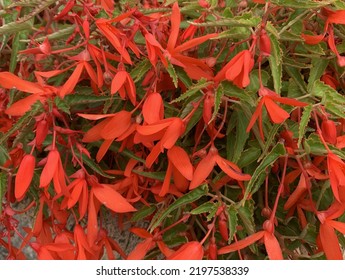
142, 213
330, 98
239, 33
43, 4
61, 33
193, 121
80, 99
152, 175
182, 201
233, 91
174, 236
232, 222
277, 151
269, 140
3, 155
194, 89
296, 75
183, 76
304, 123
246, 214
302, 4
241, 135
62, 105
248, 156
272, 30
247, 20
291, 37
3, 187
339, 4
275, 60
254, 85
115, 148
309, 234
217, 101
205, 208
16, 47
14, 27
90, 163
314, 146
172, 73
140, 70
23, 121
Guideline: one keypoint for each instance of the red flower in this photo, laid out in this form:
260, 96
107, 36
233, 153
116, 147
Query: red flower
328, 240
114, 126
237, 69
276, 114
24, 176
123, 83
336, 170
167, 131
206, 165
273, 249
180, 167
189, 251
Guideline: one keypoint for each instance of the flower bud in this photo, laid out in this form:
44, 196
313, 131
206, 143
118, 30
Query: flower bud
265, 43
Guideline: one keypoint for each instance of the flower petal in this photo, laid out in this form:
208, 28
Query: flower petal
272, 247
181, 161
202, 171
112, 199
231, 169
330, 242
242, 243
24, 176
190, 251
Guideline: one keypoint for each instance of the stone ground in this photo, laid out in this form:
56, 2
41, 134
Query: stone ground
126, 240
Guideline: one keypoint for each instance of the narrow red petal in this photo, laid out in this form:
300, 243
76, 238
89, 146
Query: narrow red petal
202, 171
92, 222
117, 125
181, 161
112, 199
153, 109
103, 149
276, 114
151, 158
273, 249
337, 17
118, 81
95, 117
194, 42
190, 251
20, 107
153, 128
140, 251
94, 134
312, 39
77, 186
166, 183
339, 226
24, 176
173, 132
72, 81
11, 81
297, 193
50, 168
256, 114
242, 243
175, 26
231, 169
330, 242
